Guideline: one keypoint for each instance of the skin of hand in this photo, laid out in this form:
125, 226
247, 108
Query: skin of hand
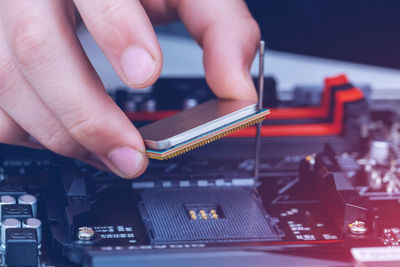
51, 97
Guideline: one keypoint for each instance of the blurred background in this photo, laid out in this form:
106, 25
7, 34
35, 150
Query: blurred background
356, 31
306, 40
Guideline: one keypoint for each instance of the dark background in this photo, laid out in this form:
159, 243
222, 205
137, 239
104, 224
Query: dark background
354, 30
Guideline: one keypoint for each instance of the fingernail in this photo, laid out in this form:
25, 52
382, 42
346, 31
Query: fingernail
127, 160
137, 64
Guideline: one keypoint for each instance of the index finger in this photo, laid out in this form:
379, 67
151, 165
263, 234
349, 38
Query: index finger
60, 73
229, 36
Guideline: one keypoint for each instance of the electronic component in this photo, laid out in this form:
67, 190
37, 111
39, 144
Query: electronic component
380, 151
198, 126
12, 189
35, 224
209, 207
204, 212
189, 124
205, 215
29, 200
5, 225
6, 200
16, 211
22, 247
349, 211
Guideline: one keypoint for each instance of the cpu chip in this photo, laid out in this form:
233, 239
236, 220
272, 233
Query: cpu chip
198, 126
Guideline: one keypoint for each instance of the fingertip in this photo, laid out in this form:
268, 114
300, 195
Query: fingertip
140, 68
124, 32
127, 162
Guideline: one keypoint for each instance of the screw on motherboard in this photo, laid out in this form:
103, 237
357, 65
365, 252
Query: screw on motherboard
358, 227
85, 233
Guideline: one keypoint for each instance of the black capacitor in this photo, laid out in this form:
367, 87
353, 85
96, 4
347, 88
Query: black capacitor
7, 224
12, 190
16, 211
21, 247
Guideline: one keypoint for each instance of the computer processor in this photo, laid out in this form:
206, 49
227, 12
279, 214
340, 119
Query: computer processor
198, 126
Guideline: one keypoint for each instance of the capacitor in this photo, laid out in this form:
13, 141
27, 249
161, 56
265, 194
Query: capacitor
189, 103
29, 200
130, 106
7, 224
34, 224
379, 151
150, 105
6, 200
374, 180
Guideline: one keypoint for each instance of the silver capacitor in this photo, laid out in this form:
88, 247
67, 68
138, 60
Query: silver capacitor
34, 224
6, 200
130, 106
7, 224
150, 105
29, 200
189, 103
379, 151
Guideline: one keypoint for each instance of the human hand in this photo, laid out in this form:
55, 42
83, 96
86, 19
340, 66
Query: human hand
50, 95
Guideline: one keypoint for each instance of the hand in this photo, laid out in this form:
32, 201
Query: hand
51, 96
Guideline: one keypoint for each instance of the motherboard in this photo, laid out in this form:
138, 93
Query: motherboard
327, 192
